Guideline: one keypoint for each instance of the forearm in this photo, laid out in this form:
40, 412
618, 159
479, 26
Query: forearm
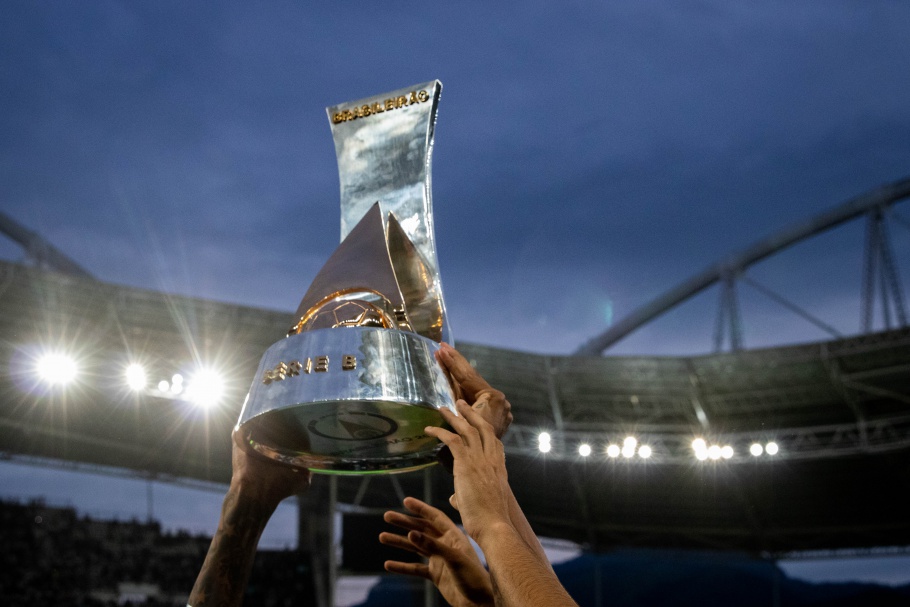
523, 528
224, 574
520, 577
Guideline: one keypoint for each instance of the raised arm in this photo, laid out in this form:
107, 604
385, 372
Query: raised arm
492, 406
257, 487
520, 578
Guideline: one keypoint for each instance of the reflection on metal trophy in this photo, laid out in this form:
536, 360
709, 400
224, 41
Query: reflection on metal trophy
355, 382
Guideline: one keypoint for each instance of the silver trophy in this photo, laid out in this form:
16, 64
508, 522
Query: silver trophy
355, 382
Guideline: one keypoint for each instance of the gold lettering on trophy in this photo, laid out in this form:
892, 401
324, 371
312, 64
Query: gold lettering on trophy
283, 370
378, 107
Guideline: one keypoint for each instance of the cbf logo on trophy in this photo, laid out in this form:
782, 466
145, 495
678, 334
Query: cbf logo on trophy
355, 382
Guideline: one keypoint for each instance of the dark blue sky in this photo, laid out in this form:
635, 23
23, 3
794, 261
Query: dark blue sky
588, 155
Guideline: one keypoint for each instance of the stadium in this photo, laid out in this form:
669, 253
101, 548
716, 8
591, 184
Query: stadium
668, 474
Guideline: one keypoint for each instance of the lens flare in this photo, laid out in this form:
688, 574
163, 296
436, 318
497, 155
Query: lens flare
57, 369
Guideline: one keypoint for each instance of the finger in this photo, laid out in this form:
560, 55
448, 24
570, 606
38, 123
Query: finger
483, 428
434, 518
449, 439
465, 430
404, 521
462, 372
456, 387
399, 541
415, 569
460, 440
453, 501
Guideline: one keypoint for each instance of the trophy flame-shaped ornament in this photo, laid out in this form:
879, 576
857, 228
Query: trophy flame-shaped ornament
355, 382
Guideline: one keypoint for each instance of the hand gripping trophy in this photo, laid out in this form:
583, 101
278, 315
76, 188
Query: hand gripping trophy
355, 382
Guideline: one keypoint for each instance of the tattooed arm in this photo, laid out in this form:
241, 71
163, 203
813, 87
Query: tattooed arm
257, 487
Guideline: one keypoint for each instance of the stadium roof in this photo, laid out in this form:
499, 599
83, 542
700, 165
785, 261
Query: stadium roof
839, 410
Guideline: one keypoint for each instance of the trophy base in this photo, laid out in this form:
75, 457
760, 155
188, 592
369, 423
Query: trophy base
350, 400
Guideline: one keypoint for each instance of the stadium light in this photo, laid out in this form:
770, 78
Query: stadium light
699, 444
205, 389
613, 450
771, 448
163, 386
628, 446
714, 452
584, 449
176, 383
644, 452
701, 454
57, 369
543, 442
135, 377
726, 452
756, 449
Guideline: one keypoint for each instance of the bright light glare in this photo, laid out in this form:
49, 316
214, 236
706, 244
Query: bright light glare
584, 449
135, 377
726, 452
629, 442
699, 444
714, 452
702, 454
543, 437
544, 447
163, 386
206, 388
771, 448
644, 452
57, 368
613, 450
756, 449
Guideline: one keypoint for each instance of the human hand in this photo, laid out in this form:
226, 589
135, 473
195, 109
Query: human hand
453, 565
481, 482
262, 479
489, 402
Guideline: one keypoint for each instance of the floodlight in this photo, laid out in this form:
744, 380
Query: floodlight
726, 452
584, 449
163, 386
613, 450
699, 444
57, 368
771, 448
756, 449
135, 377
544, 447
644, 452
714, 452
206, 388
176, 384
701, 454
543, 437
630, 442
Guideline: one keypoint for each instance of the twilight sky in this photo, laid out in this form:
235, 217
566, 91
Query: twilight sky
589, 155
